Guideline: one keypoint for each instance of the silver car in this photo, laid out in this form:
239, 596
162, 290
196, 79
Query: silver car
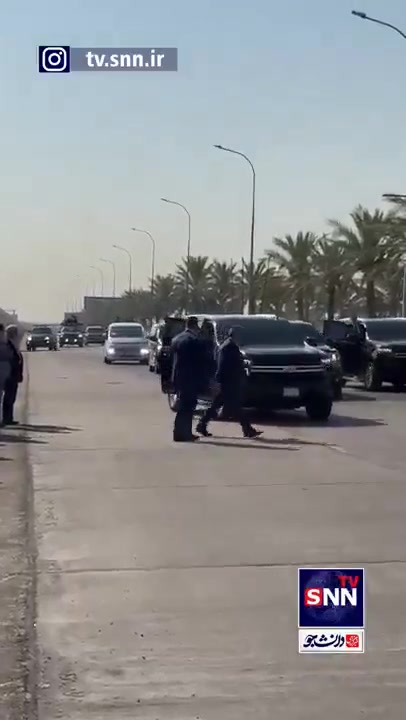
126, 342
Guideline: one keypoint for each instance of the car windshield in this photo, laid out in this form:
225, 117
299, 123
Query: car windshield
386, 330
305, 330
127, 331
95, 329
42, 330
261, 331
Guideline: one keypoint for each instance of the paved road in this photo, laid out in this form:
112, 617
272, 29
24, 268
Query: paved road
167, 573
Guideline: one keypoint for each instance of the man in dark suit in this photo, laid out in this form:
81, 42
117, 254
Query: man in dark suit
189, 373
15, 377
230, 377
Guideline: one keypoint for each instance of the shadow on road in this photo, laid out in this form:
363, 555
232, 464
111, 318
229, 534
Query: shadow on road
52, 429
298, 420
4, 459
6, 438
259, 444
357, 396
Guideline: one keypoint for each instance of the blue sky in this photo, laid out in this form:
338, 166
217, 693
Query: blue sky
314, 97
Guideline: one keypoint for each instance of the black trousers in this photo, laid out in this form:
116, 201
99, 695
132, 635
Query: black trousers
9, 398
187, 401
231, 399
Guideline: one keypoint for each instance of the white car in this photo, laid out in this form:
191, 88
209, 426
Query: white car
126, 342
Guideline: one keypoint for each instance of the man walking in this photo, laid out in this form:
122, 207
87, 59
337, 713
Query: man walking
5, 362
231, 378
189, 373
15, 377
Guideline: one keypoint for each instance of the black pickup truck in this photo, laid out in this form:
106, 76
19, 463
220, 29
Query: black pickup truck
42, 336
282, 371
372, 351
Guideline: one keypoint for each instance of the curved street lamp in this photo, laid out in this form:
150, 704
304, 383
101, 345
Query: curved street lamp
145, 232
173, 202
364, 16
251, 293
127, 252
110, 262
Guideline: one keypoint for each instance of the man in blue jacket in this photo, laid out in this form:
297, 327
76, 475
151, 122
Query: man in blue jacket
230, 376
189, 374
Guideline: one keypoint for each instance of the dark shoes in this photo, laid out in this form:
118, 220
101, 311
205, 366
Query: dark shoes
10, 422
252, 433
201, 428
191, 438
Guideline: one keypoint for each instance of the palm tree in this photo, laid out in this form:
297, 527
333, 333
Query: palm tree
165, 298
332, 271
199, 282
367, 247
294, 257
224, 285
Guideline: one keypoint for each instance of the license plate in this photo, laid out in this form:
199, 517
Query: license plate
291, 392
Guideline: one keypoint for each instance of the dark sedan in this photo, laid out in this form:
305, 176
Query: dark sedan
94, 335
42, 336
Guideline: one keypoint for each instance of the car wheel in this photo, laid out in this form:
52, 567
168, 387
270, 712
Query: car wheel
337, 392
318, 407
372, 380
107, 361
173, 401
151, 368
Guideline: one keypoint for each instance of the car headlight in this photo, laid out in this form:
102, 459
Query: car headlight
47, 338
327, 361
29, 338
111, 350
80, 336
384, 350
144, 351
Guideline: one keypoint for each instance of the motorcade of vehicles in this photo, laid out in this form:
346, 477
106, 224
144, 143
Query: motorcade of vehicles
126, 342
282, 371
159, 341
309, 334
42, 336
372, 350
94, 335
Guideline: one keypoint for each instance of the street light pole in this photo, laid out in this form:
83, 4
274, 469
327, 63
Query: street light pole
145, 232
127, 252
172, 202
364, 16
93, 267
251, 293
110, 262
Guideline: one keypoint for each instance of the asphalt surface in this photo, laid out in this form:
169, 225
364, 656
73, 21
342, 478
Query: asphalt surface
167, 574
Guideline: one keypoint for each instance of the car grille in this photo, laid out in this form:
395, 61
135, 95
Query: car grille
299, 360
286, 371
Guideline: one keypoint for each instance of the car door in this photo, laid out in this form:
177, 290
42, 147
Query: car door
349, 343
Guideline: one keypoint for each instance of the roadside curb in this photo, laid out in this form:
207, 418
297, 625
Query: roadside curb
31, 669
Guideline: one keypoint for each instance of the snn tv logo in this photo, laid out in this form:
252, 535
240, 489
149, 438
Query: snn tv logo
346, 594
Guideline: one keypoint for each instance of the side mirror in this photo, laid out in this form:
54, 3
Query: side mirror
311, 341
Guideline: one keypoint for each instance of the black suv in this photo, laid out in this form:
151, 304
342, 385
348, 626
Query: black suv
159, 342
94, 335
42, 336
371, 350
283, 372
71, 335
308, 333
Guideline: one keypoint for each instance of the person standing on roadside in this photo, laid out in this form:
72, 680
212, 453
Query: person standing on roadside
230, 377
15, 376
5, 363
189, 374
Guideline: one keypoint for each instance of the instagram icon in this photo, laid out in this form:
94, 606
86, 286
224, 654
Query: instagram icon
54, 58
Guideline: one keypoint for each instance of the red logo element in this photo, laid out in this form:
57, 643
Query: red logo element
352, 641
313, 597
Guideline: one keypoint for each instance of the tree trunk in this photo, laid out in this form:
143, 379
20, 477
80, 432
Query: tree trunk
370, 298
331, 302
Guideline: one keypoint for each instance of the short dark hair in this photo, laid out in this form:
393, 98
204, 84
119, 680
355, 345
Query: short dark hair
192, 322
